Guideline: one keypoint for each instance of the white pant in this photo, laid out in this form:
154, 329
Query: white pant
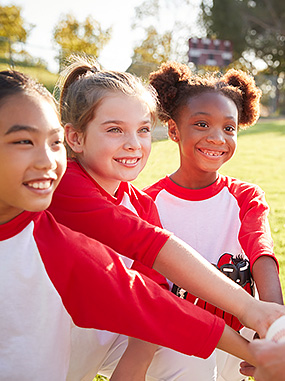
95, 351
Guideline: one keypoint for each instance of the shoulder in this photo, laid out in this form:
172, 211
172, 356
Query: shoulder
244, 192
240, 187
154, 189
55, 239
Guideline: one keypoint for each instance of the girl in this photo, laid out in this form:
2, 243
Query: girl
107, 117
51, 277
203, 116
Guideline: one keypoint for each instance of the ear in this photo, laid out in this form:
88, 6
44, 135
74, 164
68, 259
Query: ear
73, 138
173, 132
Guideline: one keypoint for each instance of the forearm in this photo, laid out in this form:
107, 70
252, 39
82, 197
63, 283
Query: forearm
185, 267
265, 275
135, 361
233, 343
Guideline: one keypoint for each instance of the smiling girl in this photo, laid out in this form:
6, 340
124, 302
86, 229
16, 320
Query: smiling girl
223, 218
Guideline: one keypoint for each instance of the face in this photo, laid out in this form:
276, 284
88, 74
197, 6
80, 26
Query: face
117, 141
32, 154
206, 131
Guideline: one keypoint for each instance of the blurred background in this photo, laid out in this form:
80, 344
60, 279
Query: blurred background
137, 36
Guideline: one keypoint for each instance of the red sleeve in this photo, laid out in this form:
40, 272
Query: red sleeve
145, 206
154, 189
79, 204
146, 210
90, 277
254, 236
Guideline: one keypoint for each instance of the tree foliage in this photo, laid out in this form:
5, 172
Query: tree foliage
155, 49
165, 28
74, 37
13, 30
256, 27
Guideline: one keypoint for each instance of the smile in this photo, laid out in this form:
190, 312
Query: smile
39, 184
212, 153
128, 161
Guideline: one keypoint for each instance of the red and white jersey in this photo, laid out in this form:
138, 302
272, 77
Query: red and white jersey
229, 216
52, 278
82, 205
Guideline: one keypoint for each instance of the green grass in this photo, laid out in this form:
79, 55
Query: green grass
259, 159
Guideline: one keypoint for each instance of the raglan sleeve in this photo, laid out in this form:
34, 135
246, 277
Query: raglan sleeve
90, 277
255, 235
80, 206
147, 210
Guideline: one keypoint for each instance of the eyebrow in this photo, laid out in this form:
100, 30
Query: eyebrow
121, 121
19, 127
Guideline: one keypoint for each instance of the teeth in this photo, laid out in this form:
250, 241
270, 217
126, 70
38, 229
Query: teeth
40, 185
212, 153
127, 161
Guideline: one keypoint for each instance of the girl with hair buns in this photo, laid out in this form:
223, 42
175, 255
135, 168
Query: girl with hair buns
108, 118
223, 218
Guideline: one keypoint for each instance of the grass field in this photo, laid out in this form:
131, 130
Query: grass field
260, 159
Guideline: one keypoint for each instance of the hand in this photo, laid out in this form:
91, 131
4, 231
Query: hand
260, 315
269, 357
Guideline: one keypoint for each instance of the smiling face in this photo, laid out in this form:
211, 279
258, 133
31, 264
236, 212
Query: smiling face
32, 154
117, 141
206, 131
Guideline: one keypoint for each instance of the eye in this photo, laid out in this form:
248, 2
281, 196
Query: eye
57, 143
230, 128
115, 130
201, 124
23, 142
145, 129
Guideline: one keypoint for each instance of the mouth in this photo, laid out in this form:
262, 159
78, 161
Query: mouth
128, 161
39, 184
211, 153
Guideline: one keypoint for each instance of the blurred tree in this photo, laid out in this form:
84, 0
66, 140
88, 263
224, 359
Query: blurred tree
166, 27
256, 28
13, 31
154, 50
74, 37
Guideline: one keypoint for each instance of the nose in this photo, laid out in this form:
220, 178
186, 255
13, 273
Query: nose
216, 136
46, 158
132, 142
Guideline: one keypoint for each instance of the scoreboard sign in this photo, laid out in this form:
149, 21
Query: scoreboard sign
210, 52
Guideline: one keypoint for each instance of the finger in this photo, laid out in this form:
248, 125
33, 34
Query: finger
247, 369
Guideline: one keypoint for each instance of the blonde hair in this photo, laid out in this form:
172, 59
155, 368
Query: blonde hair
83, 85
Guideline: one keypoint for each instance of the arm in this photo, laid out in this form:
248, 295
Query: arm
256, 241
135, 361
225, 294
265, 275
233, 343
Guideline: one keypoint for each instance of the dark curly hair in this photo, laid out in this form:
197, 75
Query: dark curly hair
175, 84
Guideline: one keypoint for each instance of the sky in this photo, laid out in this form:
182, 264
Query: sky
116, 13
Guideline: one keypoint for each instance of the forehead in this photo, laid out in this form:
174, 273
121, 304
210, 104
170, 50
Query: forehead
29, 110
124, 103
212, 99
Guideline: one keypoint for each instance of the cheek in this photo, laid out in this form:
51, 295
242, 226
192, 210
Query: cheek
146, 144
